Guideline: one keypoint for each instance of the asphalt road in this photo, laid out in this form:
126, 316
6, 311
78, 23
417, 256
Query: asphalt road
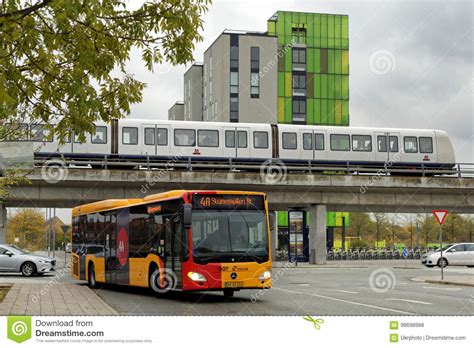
365, 290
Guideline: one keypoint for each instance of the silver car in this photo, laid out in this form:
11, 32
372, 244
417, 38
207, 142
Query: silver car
14, 259
459, 254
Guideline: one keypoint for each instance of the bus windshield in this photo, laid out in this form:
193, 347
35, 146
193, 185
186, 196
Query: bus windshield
229, 236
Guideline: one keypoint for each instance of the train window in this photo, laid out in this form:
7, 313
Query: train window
289, 141
362, 143
129, 135
426, 145
260, 140
162, 135
319, 141
382, 143
15, 131
184, 137
100, 135
208, 138
307, 141
229, 138
410, 144
39, 132
149, 136
340, 142
242, 139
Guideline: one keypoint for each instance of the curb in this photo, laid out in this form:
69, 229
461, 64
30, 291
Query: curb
444, 282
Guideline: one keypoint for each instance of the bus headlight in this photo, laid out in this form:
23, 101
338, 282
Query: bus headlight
265, 275
197, 277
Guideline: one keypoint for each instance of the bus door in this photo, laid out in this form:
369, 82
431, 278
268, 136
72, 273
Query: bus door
174, 246
109, 249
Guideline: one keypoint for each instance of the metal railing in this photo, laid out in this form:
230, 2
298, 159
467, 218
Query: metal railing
460, 170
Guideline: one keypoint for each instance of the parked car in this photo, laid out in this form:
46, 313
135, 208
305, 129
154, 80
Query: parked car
459, 254
14, 259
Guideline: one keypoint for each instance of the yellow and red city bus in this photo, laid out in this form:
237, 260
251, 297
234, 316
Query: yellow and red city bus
179, 240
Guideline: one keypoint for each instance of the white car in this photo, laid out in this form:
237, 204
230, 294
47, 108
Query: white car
14, 259
459, 254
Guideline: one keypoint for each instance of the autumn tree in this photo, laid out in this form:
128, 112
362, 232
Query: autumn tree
64, 62
26, 229
360, 224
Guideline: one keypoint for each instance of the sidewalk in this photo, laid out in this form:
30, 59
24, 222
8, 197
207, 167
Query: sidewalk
464, 280
353, 264
53, 299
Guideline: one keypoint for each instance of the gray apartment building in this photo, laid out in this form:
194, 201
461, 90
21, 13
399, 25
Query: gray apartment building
176, 112
237, 82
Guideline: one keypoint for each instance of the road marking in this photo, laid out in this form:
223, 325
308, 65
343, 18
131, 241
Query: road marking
345, 301
345, 291
411, 301
448, 289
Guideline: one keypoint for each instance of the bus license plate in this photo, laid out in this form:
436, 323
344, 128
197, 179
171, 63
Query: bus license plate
233, 284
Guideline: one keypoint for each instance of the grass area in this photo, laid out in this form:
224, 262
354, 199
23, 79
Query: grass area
3, 292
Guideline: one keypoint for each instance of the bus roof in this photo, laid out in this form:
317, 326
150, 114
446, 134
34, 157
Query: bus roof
111, 204
180, 193
108, 204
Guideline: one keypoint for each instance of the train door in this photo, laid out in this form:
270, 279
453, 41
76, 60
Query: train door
78, 146
387, 148
243, 142
320, 145
307, 144
150, 141
230, 142
163, 139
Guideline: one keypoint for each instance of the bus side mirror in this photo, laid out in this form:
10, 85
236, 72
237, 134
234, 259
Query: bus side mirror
187, 215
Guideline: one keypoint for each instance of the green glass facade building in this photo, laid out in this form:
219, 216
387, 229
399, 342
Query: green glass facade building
313, 67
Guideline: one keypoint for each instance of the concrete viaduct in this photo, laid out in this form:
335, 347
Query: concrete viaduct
316, 193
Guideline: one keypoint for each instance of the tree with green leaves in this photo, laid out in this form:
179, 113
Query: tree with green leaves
26, 229
64, 62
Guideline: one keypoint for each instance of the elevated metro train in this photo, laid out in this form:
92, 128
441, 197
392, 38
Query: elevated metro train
135, 139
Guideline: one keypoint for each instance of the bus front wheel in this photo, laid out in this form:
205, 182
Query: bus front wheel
228, 292
91, 281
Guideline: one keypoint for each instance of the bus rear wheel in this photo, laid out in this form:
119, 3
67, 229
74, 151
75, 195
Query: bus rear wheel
228, 292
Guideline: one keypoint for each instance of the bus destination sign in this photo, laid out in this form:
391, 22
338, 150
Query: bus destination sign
228, 202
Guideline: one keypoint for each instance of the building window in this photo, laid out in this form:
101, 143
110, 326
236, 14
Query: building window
289, 141
254, 85
234, 82
234, 109
234, 78
299, 85
254, 72
362, 143
340, 142
410, 144
129, 135
299, 110
298, 33
260, 140
184, 137
299, 59
426, 145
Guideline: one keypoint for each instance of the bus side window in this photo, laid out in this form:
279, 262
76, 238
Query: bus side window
167, 238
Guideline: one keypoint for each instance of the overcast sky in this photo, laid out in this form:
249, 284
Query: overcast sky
411, 63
